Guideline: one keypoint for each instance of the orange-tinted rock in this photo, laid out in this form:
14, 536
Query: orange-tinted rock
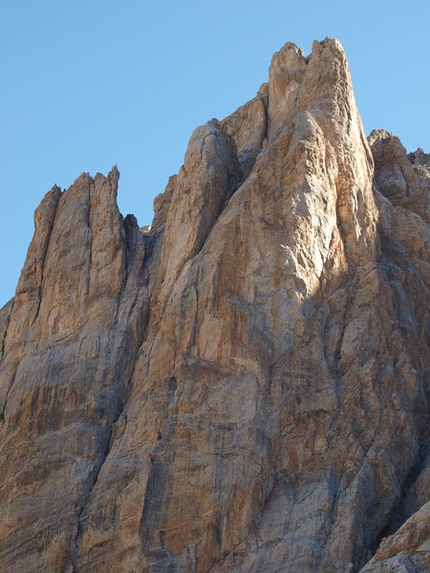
272, 324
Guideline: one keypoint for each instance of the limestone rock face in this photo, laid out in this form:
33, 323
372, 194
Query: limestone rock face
405, 180
265, 342
69, 344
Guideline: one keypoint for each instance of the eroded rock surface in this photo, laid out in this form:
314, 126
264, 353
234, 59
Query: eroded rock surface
273, 324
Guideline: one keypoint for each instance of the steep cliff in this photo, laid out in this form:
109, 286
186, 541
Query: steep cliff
266, 341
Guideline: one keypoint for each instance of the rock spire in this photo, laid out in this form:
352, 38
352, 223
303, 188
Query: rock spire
244, 385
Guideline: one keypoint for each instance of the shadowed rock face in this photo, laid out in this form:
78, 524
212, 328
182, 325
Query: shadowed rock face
273, 325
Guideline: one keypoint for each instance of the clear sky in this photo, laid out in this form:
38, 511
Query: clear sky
87, 84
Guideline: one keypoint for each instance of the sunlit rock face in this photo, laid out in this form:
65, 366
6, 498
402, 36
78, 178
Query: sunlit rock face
243, 386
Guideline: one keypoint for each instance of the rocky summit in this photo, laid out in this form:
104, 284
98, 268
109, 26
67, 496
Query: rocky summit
243, 386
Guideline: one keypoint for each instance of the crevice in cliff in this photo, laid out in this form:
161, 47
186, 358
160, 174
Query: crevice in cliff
43, 254
154, 524
248, 126
411, 499
88, 488
127, 334
90, 190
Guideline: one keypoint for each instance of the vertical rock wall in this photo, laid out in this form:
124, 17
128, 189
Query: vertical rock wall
72, 336
272, 325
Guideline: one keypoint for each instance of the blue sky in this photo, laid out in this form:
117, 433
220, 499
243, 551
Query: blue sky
90, 84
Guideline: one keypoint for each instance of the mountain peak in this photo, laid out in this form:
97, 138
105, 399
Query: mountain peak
243, 386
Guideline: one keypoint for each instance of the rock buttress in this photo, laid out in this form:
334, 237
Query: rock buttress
74, 328
277, 337
275, 365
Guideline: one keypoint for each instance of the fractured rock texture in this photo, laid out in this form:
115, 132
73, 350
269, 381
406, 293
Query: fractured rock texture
273, 324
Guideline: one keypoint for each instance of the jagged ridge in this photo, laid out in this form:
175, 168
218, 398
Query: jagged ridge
273, 324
